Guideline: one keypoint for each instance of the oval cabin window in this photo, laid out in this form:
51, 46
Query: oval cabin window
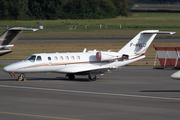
55, 58
67, 58
38, 58
49, 58
78, 57
61, 58
72, 57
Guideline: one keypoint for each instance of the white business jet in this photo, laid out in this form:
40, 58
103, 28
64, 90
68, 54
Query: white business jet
88, 63
9, 37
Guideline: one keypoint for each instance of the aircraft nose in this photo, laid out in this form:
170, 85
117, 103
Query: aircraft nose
176, 75
7, 69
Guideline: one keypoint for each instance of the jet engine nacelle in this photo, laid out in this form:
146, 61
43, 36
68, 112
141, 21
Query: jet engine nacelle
105, 56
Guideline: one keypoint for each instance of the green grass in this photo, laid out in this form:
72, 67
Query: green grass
131, 25
135, 20
92, 33
1, 66
23, 50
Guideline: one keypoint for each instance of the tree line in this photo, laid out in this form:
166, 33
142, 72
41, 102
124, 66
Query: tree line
62, 9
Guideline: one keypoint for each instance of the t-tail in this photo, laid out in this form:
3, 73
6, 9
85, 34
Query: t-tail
137, 47
9, 37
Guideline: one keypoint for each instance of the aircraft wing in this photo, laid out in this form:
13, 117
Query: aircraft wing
101, 71
86, 70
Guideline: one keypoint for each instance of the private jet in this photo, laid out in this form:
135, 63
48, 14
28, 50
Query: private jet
90, 63
9, 37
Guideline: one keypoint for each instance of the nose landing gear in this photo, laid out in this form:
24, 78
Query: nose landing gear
21, 77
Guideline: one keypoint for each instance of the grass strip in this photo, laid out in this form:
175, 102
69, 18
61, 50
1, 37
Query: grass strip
23, 50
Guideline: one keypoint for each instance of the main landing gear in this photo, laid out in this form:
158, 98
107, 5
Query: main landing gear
70, 76
21, 77
90, 76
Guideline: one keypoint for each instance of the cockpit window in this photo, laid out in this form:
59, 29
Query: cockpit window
38, 58
31, 58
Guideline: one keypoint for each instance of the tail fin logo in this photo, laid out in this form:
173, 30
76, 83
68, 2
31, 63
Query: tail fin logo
138, 45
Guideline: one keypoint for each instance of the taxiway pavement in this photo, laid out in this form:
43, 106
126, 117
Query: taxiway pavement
129, 93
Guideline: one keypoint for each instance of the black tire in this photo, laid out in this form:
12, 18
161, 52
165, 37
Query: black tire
71, 76
92, 78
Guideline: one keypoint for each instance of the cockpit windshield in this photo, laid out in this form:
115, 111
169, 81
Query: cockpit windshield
31, 58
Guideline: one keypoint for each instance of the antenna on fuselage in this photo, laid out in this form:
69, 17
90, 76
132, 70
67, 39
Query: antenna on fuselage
85, 50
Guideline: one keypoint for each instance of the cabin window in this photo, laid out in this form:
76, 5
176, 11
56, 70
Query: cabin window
38, 58
61, 58
31, 58
55, 58
67, 58
72, 57
49, 58
78, 57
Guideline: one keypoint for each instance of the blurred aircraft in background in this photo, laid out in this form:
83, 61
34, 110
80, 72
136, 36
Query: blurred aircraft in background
9, 37
176, 75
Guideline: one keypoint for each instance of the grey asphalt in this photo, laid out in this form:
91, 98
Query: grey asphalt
129, 93
91, 39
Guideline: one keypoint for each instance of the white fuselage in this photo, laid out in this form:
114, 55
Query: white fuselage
69, 62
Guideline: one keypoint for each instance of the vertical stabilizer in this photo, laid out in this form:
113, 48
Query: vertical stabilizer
140, 43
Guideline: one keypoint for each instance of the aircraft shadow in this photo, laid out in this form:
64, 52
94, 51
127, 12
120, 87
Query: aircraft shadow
59, 79
50, 79
160, 91
7, 79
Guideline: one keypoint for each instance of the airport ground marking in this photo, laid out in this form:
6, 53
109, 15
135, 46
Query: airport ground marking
42, 116
95, 93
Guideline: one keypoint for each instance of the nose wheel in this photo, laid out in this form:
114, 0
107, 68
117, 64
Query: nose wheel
21, 77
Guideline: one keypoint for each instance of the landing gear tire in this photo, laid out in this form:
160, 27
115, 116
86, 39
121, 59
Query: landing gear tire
71, 76
21, 77
92, 77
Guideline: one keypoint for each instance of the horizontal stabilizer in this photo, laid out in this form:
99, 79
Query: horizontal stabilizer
21, 28
159, 32
11, 35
